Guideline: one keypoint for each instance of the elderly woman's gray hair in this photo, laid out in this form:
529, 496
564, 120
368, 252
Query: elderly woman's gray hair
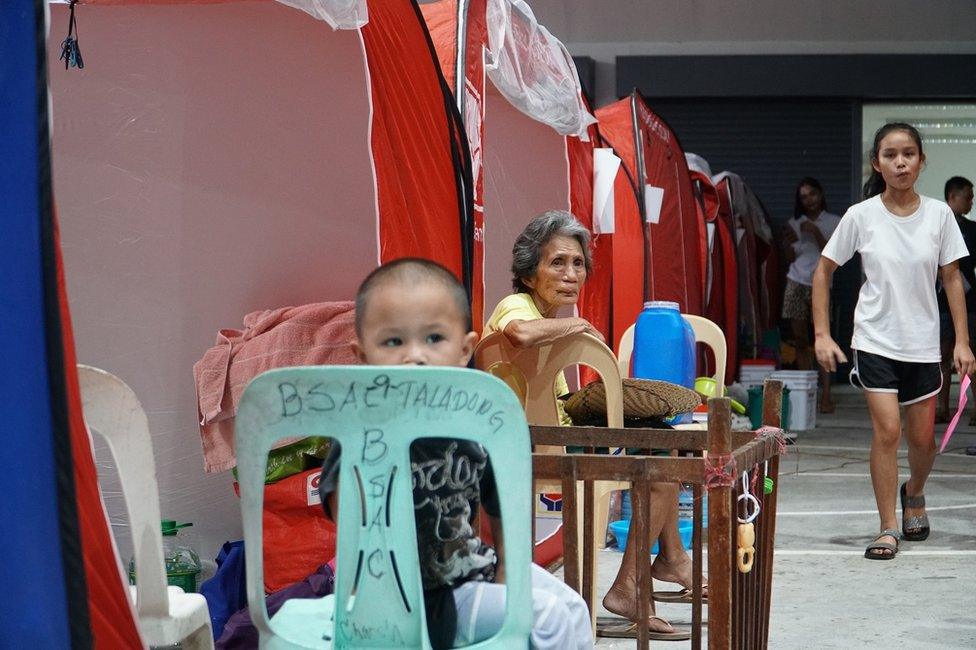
528, 246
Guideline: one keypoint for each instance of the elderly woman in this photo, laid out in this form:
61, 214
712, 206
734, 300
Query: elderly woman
550, 263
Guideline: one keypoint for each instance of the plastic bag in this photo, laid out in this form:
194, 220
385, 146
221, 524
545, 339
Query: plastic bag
297, 536
533, 70
340, 14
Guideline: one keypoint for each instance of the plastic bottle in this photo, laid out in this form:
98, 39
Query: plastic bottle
182, 562
664, 347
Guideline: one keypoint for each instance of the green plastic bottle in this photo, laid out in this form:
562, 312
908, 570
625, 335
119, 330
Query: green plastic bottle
182, 562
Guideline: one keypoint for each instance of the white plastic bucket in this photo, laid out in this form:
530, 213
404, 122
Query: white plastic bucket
803, 397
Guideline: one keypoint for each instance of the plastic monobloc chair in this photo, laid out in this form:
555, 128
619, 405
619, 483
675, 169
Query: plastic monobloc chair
374, 413
167, 615
531, 372
706, 332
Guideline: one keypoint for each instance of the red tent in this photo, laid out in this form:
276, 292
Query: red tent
663, 248
215, 158
758, 263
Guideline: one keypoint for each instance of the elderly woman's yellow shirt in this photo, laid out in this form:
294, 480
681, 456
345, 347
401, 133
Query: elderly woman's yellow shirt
520, 306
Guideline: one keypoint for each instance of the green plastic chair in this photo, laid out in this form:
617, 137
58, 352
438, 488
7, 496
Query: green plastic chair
374, 413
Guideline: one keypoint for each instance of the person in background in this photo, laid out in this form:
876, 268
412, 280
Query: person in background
905, 240
805, 236
415, 312
959, 198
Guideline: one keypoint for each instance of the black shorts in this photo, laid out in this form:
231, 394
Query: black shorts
913, 382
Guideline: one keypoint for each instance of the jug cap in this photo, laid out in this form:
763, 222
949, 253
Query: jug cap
170, 527
661, 304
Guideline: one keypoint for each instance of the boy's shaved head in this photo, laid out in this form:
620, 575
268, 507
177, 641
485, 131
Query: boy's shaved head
410, 272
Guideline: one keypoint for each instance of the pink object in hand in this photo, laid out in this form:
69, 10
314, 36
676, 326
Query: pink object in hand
963, 398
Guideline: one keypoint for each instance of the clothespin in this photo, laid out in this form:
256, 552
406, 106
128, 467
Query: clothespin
70, 51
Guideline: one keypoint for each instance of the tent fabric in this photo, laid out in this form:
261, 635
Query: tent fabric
757, 260
339, 14
533, 70
469, 93
62, 578
419, 150
594, 304
667, 255
722, 305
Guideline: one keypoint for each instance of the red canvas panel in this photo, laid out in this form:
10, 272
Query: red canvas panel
417, 192
627, 249
676, 242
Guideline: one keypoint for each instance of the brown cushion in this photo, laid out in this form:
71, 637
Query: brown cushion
643, 398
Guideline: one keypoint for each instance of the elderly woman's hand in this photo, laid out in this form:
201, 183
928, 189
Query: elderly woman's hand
530, 333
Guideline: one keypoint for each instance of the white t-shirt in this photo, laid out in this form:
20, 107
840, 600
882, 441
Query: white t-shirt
897, 315
807, 251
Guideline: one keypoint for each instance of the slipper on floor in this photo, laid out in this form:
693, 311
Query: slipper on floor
682, 596
882, 546
628, 630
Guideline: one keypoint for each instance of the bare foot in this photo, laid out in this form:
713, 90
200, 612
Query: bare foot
622, 601
679, 572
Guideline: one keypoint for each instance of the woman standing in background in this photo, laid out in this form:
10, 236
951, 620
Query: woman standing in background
806, 235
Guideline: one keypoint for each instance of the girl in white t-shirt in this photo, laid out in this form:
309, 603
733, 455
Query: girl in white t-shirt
905, 241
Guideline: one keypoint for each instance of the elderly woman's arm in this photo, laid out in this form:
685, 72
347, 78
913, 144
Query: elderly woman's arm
529, 333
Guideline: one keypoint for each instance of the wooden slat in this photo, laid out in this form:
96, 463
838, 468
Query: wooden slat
628, 437
696, 567
641, 523
597, 467
571, 561
719, 538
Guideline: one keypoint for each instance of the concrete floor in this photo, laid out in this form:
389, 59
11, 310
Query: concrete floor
825, 594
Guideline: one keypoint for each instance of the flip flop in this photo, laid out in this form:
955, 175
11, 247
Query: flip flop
916, 527
628, 630
882, 546
682, 596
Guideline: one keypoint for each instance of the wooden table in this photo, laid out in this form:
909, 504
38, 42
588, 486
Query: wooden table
743, 626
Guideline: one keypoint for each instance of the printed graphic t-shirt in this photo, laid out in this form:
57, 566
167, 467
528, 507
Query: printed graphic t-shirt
450, 479
897, 315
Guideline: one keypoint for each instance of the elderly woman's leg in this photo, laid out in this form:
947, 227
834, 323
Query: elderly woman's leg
672, 564
621, 599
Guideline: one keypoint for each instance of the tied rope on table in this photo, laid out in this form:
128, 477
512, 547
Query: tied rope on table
70, 51
720, 473
778, 433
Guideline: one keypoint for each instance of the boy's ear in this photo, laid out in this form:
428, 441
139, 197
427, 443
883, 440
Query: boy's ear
357, 349
467, 349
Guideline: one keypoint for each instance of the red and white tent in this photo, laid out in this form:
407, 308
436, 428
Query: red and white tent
659, 242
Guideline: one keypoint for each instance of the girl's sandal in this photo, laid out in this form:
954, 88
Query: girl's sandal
887, 550
916, 527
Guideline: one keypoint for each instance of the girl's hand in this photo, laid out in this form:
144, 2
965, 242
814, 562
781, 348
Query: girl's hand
964, 361
829, 353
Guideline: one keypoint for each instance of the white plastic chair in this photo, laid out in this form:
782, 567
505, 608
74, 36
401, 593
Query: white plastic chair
167, 615
706, 332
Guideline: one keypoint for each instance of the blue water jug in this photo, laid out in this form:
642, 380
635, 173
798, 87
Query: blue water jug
664, 347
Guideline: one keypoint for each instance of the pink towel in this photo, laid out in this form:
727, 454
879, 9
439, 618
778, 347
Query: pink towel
308, 335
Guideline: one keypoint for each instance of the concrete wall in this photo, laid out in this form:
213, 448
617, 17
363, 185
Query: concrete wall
604, 30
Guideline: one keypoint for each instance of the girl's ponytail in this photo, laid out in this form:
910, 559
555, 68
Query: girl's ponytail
874, 186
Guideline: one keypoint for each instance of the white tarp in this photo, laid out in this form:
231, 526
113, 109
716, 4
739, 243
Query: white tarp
533, 70
340, 14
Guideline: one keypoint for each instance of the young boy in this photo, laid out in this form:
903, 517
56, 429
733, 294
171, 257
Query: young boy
414, 312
